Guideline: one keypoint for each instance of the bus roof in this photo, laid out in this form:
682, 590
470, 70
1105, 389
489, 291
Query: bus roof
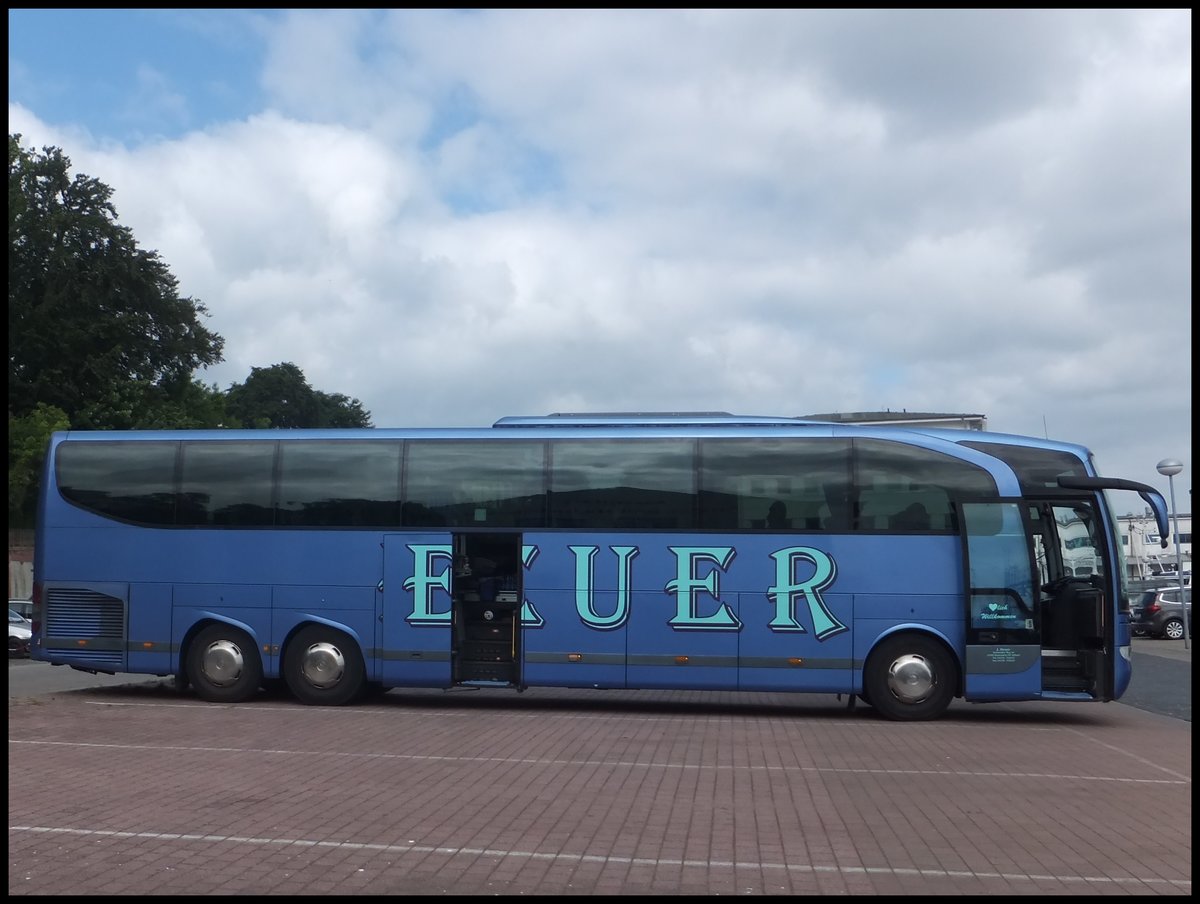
647, 418
1004, 439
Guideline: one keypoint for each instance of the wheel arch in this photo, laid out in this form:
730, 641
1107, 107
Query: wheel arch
310, 620
935, 634
205, 621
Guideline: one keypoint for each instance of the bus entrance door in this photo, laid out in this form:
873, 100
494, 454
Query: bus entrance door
1076, 636
485, 623
413, 625
1003, 646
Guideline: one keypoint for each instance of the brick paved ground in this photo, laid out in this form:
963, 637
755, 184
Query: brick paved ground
135, 790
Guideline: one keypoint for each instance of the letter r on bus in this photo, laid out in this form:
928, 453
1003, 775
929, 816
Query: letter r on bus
786, 589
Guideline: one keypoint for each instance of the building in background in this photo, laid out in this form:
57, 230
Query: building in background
1145, 557
20, 564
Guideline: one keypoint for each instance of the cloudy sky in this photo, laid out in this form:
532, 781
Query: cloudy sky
454, 215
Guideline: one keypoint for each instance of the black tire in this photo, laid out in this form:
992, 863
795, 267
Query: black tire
910, 677
1173, 629
324, 667
223, 665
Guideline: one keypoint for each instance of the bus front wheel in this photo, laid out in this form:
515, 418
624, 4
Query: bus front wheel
323, 667
910, 677
223, 665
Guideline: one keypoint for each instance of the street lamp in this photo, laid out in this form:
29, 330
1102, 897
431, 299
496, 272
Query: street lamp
1170, 467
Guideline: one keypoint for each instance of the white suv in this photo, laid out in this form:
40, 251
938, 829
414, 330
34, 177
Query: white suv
20, 633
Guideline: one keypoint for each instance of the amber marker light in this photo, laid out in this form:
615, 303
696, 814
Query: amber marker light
574, 657
681, 660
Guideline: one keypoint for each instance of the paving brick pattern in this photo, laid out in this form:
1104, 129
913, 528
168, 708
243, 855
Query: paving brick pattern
137, 790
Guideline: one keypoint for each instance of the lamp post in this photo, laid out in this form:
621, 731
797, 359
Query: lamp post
1170, 467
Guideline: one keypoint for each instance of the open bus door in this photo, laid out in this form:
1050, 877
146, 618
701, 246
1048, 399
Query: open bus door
1003, 657
1076, 615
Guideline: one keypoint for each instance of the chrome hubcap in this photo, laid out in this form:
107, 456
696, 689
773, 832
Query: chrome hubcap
222, 663
323, 665
911, 678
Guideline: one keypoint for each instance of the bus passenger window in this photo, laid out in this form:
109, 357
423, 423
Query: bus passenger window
777, 518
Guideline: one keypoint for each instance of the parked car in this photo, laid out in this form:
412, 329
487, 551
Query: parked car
20, 633
1160, 613
25, 607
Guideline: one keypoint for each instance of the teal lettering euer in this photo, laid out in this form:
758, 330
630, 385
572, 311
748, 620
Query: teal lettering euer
687, 588
585, 596
786, 589
424, 582
530, 617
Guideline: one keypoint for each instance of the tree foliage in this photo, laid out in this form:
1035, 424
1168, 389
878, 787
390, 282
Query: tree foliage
28, 436
280, 396
337, 410
99, 336
96, 325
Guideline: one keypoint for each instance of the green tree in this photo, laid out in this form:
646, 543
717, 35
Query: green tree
96, 325
28, 437
280, 396
337, 410
100, 338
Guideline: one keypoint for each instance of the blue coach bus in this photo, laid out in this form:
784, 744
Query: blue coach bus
901, 567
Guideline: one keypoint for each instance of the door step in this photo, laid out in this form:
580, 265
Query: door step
1063, 670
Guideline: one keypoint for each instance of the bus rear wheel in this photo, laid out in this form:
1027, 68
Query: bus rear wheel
910, 677
324, 667
223, 665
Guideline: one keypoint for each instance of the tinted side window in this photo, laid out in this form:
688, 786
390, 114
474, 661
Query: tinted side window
133, 481
475, 483
906, 488
227, 483
339, 483
634, 484
1036, 469
775, 484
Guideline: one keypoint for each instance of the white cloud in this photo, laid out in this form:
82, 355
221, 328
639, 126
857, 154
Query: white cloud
453, 216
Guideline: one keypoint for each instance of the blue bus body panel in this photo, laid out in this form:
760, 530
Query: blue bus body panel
348, 609
414, 636
266, 585
679, 611
246, 606
149, 650
576, 637
653, 610
997, 673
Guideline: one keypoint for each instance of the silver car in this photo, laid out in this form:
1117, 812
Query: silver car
20, 633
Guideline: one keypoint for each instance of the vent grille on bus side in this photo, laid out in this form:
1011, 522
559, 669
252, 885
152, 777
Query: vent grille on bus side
84, 615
